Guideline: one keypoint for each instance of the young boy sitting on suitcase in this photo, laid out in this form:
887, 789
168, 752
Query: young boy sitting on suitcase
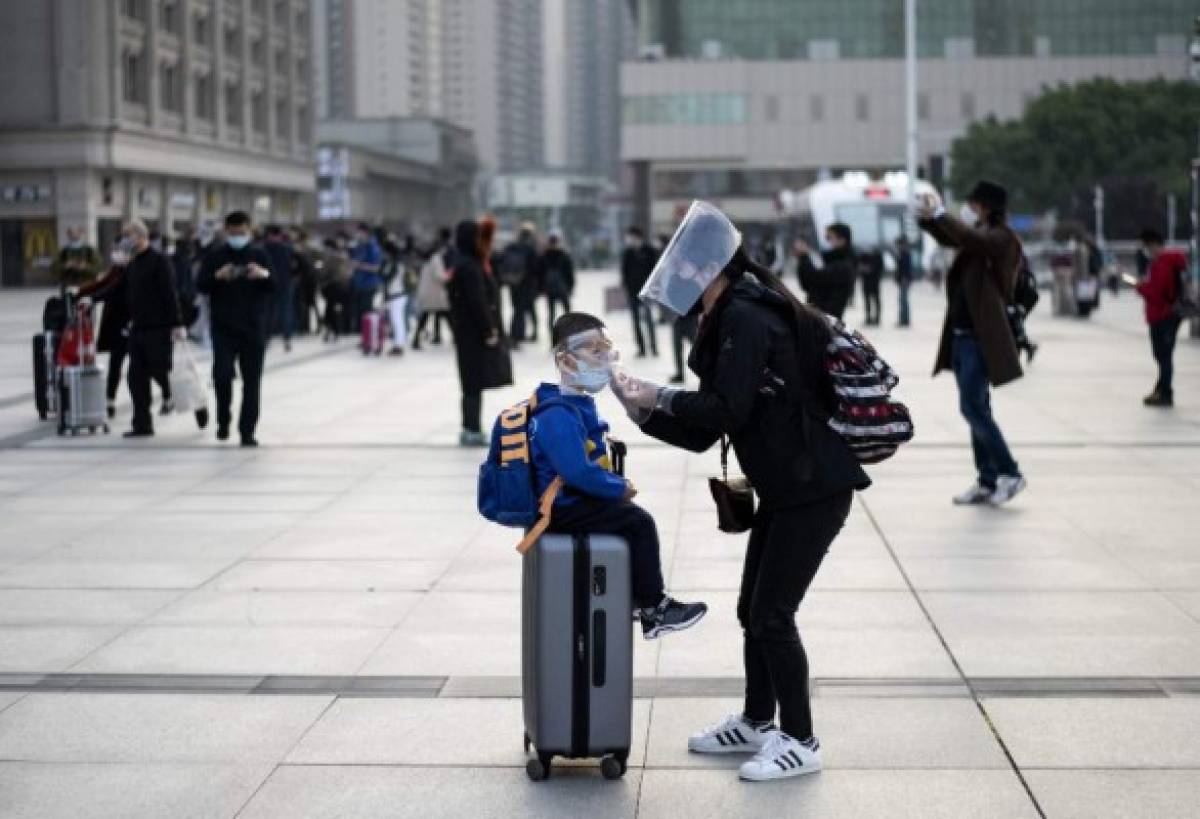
570, 441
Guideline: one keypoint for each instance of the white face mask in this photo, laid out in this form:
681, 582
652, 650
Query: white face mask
238, 242
593, 367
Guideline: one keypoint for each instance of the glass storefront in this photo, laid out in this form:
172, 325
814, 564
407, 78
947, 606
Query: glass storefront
873, 29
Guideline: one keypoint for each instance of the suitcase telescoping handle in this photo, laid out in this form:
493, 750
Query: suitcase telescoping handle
619, 451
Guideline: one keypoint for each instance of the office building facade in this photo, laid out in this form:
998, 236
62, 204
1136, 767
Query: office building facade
738, 100
174, 111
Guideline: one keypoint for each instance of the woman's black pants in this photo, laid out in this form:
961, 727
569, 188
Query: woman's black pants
786, 549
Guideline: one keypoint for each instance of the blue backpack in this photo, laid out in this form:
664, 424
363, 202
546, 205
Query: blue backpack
506, 493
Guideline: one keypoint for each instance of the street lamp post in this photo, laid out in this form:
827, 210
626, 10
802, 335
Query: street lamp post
910, 106
1194, 175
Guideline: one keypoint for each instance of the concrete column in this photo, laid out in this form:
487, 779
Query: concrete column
76, 197
185, 69
218, 74
154, 93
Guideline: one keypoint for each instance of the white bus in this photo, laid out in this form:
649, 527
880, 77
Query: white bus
874, 209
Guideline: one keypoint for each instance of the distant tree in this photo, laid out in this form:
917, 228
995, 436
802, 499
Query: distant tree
1136, 140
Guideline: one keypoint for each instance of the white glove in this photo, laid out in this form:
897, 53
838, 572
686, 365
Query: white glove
637, 395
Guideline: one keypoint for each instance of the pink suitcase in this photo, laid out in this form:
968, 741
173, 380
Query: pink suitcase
374, 328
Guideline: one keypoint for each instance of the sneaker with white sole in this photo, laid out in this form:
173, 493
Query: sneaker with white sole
733, 735
1007, 488
782, 757
976, 495
670, 615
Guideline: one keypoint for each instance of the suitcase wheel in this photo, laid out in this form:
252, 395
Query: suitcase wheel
538, 770
612, 768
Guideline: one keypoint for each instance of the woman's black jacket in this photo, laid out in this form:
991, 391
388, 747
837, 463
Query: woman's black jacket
763, 383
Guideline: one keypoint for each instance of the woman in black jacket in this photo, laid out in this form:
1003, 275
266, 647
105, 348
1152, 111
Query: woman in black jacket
475, 319
763, 384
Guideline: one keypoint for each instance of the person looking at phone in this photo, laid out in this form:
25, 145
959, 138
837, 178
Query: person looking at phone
236, 277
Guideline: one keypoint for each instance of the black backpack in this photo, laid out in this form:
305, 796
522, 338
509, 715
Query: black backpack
1025, 293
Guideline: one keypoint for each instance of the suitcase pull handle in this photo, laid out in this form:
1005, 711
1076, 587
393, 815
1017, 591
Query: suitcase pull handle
598, 653
599, 581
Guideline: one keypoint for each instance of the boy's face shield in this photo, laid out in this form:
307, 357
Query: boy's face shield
701, 247
586, 359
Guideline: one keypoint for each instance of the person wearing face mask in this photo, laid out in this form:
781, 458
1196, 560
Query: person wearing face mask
760, 357
78, 262
569, 439
154, 320
236, 277
637, 260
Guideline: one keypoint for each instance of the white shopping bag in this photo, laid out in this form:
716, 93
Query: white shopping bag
187, 389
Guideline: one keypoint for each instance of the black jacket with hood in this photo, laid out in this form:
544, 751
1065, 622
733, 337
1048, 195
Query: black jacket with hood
830, 287
768, 390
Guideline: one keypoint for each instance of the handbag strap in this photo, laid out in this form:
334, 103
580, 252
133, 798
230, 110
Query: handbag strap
725, 457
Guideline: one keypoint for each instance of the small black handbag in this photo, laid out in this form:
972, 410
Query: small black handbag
734, 499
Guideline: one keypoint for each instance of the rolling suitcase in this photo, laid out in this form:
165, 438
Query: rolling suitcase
81, 396
81, 400
45, 392
577, 652
373, 330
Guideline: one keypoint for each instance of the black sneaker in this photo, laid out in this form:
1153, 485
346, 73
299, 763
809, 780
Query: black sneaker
249, 441
138, 433
202, 417
670, 615
222, 432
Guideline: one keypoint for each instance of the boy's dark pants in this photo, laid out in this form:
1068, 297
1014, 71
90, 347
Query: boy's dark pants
593, 516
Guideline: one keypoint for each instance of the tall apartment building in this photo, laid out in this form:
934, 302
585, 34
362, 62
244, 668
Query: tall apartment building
584, 44
737, 100
476, 63
174, 111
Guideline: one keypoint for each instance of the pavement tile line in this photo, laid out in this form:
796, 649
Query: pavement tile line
460, 687
974, 693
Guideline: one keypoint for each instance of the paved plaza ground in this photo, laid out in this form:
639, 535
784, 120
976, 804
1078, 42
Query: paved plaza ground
325, 627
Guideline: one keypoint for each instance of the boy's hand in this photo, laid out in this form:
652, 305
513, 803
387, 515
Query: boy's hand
630, 491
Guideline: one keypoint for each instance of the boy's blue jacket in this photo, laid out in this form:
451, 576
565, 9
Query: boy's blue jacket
563, 445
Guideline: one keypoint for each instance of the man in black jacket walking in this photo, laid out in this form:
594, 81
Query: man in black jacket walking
237, 279
829, 287
637, 262
154, 319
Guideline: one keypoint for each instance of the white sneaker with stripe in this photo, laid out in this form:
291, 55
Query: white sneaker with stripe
733, 735
782, 757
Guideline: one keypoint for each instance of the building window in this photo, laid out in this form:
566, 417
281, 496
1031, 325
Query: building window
201, 30
170, 18
233, 43
283, 120
203, 92
967, 105
233, 105
303, 126
256, 52
281, 11
134, 9
258, 111
301, 21
772, 108
281, 61
923, 107
170, 88
302, 69
133, 78
259, 7
685, 109
862, 107
816, 108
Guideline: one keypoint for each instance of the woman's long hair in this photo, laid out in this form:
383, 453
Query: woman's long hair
803, 317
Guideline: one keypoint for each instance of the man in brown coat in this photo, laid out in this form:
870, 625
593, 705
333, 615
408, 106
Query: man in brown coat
977, 344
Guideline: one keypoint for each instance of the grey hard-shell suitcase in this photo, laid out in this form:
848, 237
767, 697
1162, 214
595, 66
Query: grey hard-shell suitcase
82, 400
577, 651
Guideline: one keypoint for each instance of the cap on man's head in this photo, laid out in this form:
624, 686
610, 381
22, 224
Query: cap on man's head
1150, 236
990, 195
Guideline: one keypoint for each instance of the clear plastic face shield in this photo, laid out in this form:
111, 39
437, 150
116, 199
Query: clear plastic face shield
586, 360
701, 247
